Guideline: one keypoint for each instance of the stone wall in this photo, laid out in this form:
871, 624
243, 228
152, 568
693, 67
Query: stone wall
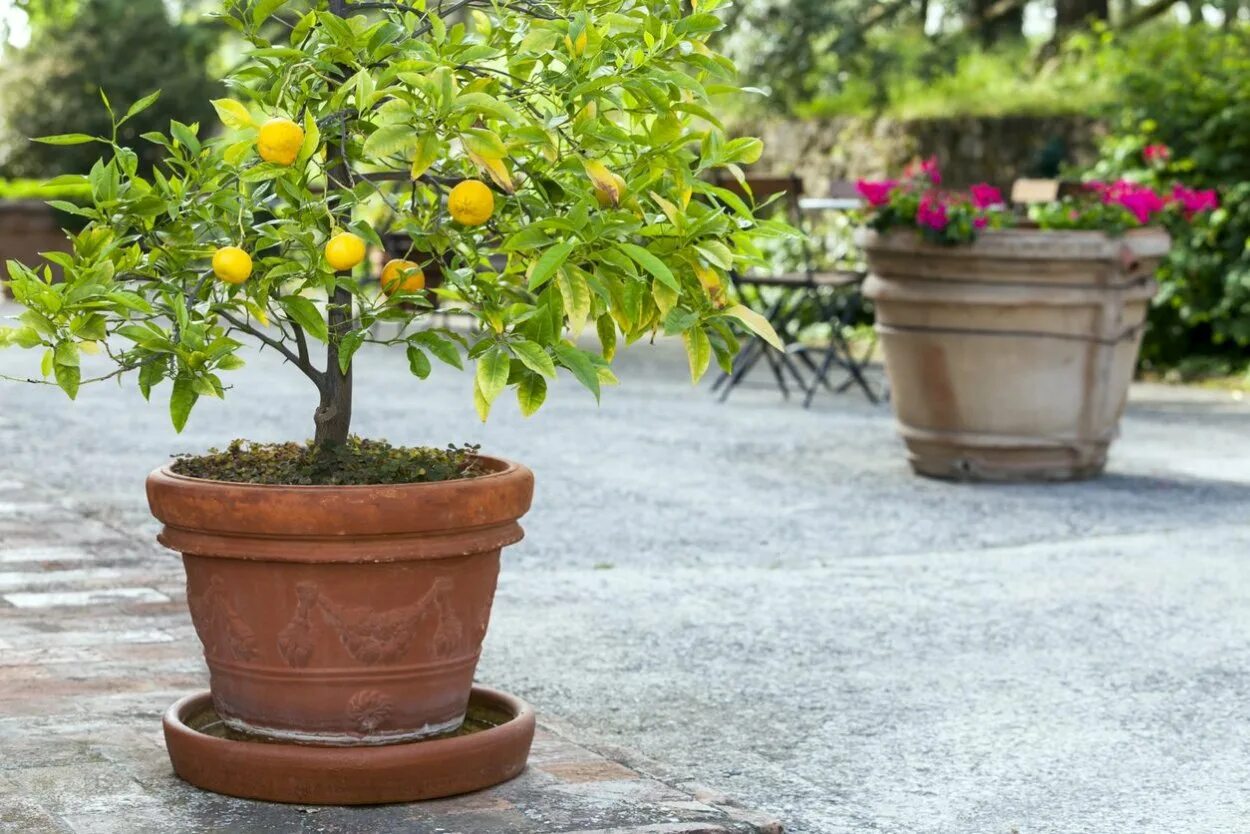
970, 149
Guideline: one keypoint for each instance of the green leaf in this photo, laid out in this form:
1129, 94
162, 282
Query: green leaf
418, 362
68, 377
607, 335
348, 346
390, 140
550, 261
181, 400
651, 264
531, 393
304, 313
428, 149
139, 106
484, 143
698, 351
492, 373
534, 357
233, 114
442, 348
66, 139
756, 323
576, 294
264, 9
580, 365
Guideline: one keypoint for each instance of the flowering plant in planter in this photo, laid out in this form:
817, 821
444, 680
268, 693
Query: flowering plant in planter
1010, 355
550, 160
917, 201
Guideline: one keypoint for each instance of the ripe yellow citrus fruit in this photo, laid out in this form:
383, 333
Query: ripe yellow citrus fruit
344, 251
402, 276
471, 203
280, 141
232, 265
579, 46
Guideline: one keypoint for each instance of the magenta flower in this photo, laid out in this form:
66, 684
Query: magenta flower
1140, 200
1194, 201
876, 193
980, 222
927, 168
1156, 153
932, 212
985, 195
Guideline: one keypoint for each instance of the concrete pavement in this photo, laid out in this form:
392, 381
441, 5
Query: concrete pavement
766, 599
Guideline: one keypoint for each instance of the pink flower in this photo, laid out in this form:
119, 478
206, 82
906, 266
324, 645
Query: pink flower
1140, 200
1156, 153
932, 212
985, 195
980, 222
877, 193
1194, 201
927, 168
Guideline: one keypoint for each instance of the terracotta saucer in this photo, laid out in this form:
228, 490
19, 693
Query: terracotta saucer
491, 748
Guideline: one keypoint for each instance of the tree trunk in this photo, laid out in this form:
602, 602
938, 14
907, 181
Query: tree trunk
1076, 14
996, 20
333, 417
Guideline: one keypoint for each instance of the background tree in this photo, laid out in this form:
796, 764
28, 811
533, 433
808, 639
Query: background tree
125, 47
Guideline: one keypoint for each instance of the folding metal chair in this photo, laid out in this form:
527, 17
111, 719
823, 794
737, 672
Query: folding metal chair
834, 294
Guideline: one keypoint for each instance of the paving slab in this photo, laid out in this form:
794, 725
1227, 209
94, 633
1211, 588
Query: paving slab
763, 599
85, 676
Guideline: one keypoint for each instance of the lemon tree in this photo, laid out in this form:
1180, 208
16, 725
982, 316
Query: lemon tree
555, 162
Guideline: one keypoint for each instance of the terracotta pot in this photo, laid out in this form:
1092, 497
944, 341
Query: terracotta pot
1011, 358
342, 615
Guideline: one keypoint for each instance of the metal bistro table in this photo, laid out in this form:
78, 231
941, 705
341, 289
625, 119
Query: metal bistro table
833, 295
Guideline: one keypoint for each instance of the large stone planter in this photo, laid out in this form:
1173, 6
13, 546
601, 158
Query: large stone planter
1011, 358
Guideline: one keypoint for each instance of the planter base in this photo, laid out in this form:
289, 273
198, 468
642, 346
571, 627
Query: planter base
490, 748
1001, 459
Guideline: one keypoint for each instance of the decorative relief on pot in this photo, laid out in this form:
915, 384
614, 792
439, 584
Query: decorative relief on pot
217, 623
295, 641
371, 637
369, 708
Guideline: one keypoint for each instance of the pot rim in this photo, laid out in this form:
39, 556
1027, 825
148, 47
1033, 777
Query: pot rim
507, 467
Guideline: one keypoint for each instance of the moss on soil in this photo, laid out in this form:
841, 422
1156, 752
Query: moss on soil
356, 463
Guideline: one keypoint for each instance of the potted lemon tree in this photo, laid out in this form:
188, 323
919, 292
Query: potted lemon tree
1010, 342
548, 157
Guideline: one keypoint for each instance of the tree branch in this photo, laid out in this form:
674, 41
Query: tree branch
300, 360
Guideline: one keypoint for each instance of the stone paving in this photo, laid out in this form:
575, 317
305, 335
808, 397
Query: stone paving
95, 642
765, 599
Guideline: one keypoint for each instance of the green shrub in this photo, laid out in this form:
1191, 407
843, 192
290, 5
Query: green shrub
1189, 89
125, 47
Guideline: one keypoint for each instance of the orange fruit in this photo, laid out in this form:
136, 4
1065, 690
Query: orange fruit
232, 265
344, 251
471, 203
280, 141
402, 276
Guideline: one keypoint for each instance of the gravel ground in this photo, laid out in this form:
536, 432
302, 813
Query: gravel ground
767, 598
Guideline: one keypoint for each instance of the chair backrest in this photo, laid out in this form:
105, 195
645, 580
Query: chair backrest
1026, 192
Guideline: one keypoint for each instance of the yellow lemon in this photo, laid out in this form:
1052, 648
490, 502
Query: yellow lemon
344, 251
232, 265
280, 141
579, 45
471, 203
402, 276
